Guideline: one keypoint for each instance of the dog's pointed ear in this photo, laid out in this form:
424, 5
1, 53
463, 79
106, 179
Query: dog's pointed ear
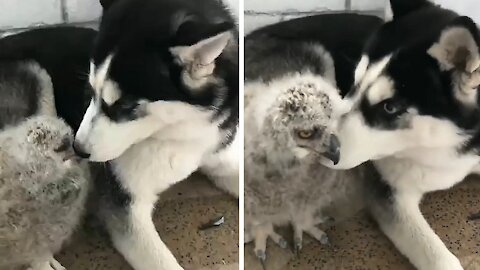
200, 57
458, 46
401, 8
106, 3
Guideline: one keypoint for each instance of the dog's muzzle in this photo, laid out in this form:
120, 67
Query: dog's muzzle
80, 150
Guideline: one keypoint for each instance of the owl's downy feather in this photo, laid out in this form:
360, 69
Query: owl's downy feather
42, 192
290, 125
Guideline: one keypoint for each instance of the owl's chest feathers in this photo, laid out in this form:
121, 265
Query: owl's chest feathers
293, 184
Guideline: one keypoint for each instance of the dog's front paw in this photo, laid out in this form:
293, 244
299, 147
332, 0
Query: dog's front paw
447, 262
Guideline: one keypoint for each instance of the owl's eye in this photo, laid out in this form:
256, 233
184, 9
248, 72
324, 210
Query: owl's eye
305, 134
65, 144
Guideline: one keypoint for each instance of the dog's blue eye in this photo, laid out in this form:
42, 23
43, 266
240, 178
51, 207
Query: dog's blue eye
390, 108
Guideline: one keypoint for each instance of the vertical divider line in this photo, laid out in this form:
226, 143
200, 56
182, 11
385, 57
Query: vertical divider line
241, 62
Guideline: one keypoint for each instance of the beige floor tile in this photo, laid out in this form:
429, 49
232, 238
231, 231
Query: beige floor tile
359, 245
181, 211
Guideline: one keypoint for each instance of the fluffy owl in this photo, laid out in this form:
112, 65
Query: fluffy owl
43, 190
290, 125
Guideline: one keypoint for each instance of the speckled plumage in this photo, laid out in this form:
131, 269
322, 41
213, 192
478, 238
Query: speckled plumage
284, 180
42, 192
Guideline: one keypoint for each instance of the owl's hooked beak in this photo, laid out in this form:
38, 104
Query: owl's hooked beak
332, 149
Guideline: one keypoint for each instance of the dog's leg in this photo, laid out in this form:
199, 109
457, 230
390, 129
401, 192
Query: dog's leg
226, 182
400, 219
476, 170
135, 237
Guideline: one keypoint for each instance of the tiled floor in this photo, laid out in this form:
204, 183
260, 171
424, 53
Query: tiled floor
181, 211
359, 245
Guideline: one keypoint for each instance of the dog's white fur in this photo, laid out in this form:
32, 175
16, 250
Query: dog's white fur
163, 148
420, 158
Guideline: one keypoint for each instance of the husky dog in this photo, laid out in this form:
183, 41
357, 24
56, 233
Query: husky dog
164, 75
415, 112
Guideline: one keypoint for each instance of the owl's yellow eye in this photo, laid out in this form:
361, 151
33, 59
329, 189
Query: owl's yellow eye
305, 134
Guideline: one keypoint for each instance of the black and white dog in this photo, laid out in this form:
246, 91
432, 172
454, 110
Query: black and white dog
415, 112
164, 75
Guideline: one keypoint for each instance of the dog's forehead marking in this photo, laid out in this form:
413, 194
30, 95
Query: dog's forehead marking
373, 71
110, 92
91, 75
380, 90
361, 68
88, 118
102, 85
98, 74
366, 74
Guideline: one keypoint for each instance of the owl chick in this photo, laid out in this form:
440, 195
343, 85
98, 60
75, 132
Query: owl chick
42, 192
290, 125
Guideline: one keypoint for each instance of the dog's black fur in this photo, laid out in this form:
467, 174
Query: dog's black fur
416, 108
143, 65
64, 52
342, 35
417, 75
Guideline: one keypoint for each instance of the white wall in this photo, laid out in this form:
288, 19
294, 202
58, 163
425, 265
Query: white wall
259, 13
18, 14
21, 14
469, 8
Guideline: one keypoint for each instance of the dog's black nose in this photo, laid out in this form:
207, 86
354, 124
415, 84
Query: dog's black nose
79, 150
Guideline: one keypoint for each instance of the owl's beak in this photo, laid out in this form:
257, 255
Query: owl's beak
333, 150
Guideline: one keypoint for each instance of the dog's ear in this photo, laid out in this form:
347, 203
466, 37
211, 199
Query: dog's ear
401, 8
106, 3
458, 46
199, 58
458, 50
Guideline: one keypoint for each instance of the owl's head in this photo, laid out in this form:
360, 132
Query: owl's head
304, 118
